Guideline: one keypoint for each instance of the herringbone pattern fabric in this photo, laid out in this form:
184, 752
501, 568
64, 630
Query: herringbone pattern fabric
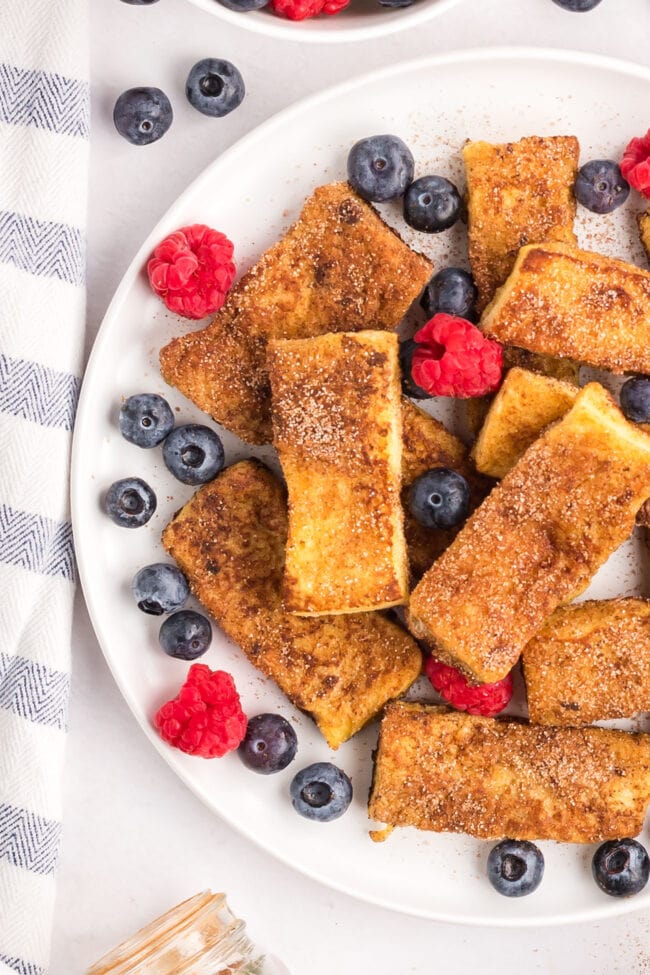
44, 127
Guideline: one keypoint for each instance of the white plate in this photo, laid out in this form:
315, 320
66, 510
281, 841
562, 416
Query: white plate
363, 20
252, 193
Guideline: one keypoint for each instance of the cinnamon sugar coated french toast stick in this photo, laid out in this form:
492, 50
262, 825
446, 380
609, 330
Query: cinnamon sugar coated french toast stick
338, 268
447, 771
643, 221
337, 427
590, 662
537, 540
518, 193
566, 302
229, 540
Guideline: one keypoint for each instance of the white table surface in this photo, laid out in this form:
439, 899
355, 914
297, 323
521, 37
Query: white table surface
135, 839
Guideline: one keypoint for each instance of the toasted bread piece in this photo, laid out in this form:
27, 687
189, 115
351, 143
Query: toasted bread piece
519, 193
643, 221
339, 268
447, 771
542, 533
524, 406
426, 444
566, 302
590, 662
230, 540
337, 426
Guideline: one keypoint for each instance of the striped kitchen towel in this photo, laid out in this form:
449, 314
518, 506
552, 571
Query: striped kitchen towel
44, 121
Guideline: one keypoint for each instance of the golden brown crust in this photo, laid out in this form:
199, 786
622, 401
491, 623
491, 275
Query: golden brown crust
338, 268
590, 662
571, 303
451, 772
230, 540
337, 427
519, 193
524, 406
643, 221
542, 533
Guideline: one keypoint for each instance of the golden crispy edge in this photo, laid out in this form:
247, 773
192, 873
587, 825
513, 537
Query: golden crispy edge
643, 221
452, 772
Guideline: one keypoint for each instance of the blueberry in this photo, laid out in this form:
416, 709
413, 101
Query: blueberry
269, 745
515, 867
185, 635
432, 204
380, 167
142, 115
215, 87
451, 291
130, 502
193, 453
409, 387
146, 419
243, 6
439, 498
621, 867
396, 3
635, 399
321, 792
577, 6
159, 588
140, 3
600, 187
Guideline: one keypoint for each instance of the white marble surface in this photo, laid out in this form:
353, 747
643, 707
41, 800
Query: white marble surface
135, 839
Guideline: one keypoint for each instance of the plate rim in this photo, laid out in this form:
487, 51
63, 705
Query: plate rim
609, 909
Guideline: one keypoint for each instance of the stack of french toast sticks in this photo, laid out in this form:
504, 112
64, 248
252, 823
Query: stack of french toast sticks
305, 354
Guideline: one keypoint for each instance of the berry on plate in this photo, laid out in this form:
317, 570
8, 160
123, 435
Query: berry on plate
185, 635
146, 419
432, 204
302, 9
192, 270
380, 167
270, 744
577, 6
453, 358
600, 187
205, 718
215, 87
130, 502
143, 115
484, 699
621, 867
409, 388
159, 588
243, 6
451, 291
635, 399
515, 867
193, 453
439, 498
635, 164
321, 792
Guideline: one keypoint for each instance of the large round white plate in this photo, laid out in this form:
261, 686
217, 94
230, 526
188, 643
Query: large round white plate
363, 20
252, 193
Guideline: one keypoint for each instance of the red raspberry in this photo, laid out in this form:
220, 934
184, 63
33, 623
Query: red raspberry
635, 164
301, 9
205, 718
192, 270
453, 358
485, 699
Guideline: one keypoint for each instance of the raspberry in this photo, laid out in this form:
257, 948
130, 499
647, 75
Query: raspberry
301, 9
635, 164
192, 270
485, 699
205, 718
453, 358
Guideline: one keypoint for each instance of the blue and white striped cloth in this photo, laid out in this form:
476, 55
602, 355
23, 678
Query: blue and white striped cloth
44, 124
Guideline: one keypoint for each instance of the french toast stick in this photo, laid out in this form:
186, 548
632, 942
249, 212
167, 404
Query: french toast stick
590, 662
643, 221
518, 193
447, 771
524, 406
230, 540
536, 540
338, 268
562, 301
337, 427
